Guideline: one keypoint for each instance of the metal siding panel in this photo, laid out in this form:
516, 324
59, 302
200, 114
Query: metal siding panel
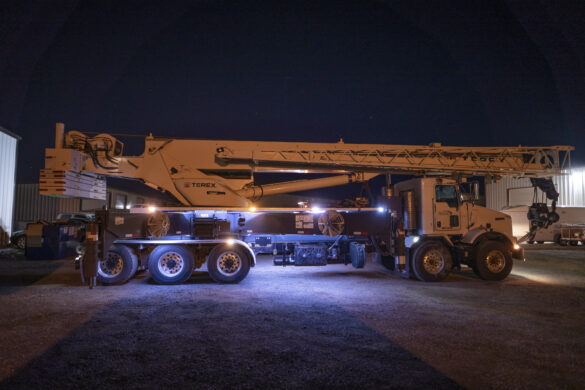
497, 193
31, 206
7, 179
571, 189
68, 205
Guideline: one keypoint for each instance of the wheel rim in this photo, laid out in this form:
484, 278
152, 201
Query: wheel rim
229, 263
495, 261
170, 264
111, 266
433, 262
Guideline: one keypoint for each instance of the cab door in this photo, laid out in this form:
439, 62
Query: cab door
446, 210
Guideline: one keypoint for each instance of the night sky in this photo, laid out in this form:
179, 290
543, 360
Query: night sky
492, 73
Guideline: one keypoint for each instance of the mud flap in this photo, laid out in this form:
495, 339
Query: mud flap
91, 258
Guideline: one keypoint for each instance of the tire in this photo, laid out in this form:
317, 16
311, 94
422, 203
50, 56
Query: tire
228, 264
119, 265
171, 264
493, 260
357, 255
21, 242
432, 261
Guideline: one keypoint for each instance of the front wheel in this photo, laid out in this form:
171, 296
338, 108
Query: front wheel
227, 264
170, 264
432, 261
493, 261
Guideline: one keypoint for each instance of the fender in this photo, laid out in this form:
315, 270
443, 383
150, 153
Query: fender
413, 241
248, 250
474, 235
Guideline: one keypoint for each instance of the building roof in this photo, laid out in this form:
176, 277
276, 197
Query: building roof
10, 133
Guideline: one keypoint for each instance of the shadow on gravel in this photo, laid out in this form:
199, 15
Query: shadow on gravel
16, 272
177, 340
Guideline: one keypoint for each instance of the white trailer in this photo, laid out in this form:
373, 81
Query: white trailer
567, 216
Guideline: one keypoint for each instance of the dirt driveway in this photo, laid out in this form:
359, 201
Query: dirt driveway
318, 327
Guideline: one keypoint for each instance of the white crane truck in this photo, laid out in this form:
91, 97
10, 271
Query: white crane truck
422, 227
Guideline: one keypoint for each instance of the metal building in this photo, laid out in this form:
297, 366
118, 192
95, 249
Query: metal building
30, 205
510, 192
8, 145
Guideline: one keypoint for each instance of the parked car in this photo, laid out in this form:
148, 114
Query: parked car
75, 217
18, 238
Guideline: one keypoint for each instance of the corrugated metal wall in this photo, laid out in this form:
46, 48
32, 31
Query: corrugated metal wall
571, 190
7, 180
30, 206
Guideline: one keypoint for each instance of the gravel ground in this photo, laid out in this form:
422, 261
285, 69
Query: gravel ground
296, 327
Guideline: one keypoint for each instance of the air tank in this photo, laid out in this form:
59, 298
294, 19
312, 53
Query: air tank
410, 217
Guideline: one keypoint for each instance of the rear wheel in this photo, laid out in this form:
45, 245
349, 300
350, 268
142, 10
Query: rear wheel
493, 261
432, 261
170, 264
118, 266
228, 264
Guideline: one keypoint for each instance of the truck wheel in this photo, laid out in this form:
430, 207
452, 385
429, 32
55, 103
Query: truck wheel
170, 264
118, 266
493, 261
432, 261
227, 264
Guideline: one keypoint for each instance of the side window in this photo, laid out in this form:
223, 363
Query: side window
446, 194
120, 201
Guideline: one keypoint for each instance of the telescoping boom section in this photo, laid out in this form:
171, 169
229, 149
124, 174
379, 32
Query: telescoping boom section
423, 227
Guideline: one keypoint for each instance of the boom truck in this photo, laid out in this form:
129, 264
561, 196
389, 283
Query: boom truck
421, 227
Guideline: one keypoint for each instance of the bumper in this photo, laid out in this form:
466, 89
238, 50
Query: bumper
518, 254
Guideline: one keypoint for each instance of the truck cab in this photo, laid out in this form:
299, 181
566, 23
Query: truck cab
444, 228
